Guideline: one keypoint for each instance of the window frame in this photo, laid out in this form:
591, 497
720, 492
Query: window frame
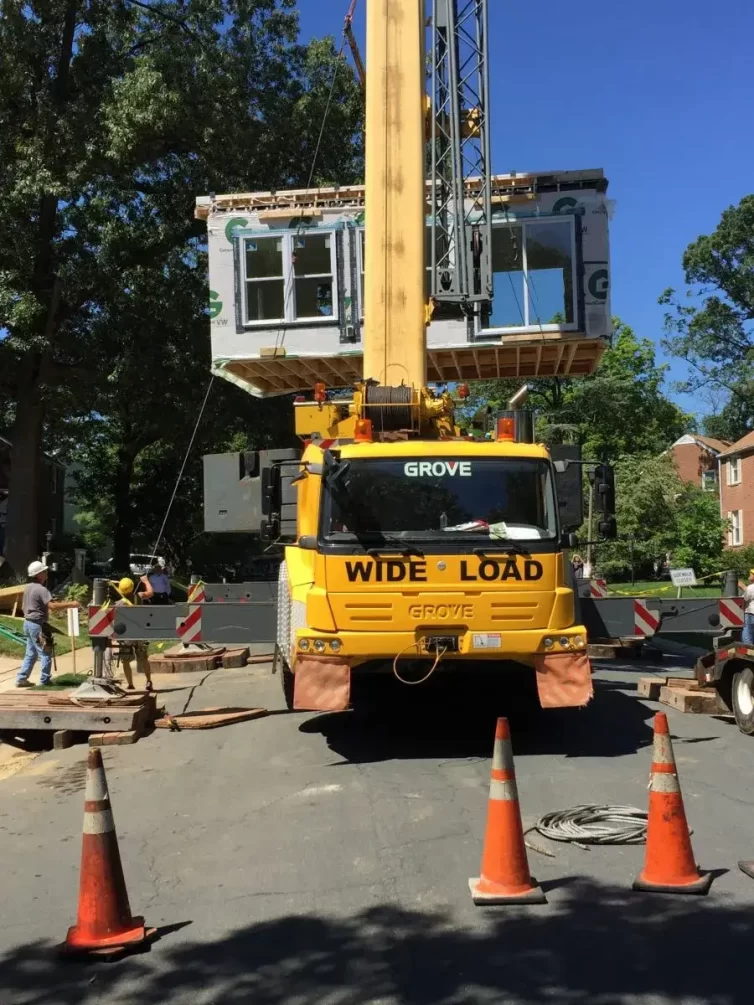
730, 480
524, 223
709, 475
565, 220
736, 531
289, 277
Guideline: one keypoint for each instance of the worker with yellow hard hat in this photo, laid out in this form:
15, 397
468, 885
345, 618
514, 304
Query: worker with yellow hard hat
131, 595
747, 636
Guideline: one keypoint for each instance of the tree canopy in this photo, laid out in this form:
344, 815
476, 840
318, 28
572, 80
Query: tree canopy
712, 326
620, 409
114, 115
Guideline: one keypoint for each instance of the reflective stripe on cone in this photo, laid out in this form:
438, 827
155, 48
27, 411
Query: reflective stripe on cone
104, 918
669, 864
505, 876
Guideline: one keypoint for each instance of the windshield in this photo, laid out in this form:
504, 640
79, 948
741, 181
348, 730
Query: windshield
502, 499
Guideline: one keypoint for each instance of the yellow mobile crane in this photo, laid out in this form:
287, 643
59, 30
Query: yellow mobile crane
418, 546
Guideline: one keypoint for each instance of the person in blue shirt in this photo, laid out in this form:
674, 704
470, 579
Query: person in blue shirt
160, 583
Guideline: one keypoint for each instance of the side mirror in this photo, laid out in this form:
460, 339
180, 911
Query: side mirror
568, 485
269, 531
271, 498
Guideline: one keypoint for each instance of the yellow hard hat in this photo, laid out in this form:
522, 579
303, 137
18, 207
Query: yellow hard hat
126, 587
751, 572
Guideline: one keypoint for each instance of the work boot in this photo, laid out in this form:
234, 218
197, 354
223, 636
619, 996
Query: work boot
748, 868
24, 683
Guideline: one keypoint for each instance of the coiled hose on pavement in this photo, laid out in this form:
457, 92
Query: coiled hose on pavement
593, 824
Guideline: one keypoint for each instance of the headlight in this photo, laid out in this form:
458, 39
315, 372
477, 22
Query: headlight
548, 643
304, 644
564, 641
335, 645
579, 641
319, 645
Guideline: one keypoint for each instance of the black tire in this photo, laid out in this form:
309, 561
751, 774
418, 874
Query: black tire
743, 700
287, 679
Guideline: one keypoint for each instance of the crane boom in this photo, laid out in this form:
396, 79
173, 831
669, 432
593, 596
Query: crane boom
394, 309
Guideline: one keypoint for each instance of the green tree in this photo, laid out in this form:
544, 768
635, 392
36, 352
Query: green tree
700, 532
712, 327
647, 492
736, 418
619, 410
114, 116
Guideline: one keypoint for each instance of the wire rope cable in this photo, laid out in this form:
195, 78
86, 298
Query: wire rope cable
183, 468
594, 824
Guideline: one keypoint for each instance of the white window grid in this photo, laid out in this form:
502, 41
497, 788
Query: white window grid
288, 239
733, 468
564, 221
735, 532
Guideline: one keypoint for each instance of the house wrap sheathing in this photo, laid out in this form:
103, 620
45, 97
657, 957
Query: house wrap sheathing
286, 286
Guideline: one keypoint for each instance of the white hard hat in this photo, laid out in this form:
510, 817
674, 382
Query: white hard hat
35, 568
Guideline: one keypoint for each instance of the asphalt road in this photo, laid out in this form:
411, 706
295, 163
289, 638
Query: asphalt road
324, 859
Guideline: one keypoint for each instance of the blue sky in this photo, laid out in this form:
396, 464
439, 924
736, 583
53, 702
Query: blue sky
658, 93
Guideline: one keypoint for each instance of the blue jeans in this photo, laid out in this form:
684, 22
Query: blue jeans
35, 647
747, 635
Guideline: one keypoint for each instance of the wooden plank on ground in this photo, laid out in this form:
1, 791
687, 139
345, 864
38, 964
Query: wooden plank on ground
233, 658
179, 652
35, 711
163, 664
649, 687
210, 718
118, 739
691, 700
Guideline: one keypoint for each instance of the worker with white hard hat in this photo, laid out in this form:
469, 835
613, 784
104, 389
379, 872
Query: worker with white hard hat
37, 604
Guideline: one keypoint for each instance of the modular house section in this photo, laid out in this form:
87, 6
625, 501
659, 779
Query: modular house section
287, 285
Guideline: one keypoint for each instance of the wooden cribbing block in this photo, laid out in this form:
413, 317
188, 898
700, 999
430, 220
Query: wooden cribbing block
684, 699
233, 658
116, 739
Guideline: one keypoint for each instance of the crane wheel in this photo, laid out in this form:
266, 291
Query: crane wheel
743, 699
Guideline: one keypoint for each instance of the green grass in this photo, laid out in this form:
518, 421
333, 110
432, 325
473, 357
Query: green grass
664, 589
62, 643
63, 680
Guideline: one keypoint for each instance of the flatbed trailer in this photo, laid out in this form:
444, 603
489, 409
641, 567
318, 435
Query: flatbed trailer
730, 670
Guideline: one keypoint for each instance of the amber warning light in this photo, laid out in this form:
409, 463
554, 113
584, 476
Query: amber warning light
506, 427
363, 431
320, 393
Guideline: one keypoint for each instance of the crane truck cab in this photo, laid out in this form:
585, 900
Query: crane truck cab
413, 555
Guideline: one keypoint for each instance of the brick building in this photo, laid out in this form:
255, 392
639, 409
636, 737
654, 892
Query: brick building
696, 459
737, 490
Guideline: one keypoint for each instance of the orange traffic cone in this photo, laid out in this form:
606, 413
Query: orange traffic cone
104, 916
505, 875
669, 864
